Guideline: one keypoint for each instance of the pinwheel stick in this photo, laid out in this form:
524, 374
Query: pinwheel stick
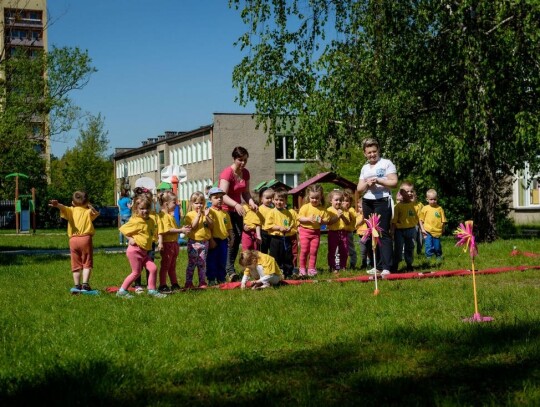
466, 239
374, 247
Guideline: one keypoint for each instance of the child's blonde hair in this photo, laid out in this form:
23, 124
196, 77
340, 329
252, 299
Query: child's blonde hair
431, 192
140, 200
348, 195
196, 197
80, 198
249, 258
335, 192
268, 192
316, 189
166, 197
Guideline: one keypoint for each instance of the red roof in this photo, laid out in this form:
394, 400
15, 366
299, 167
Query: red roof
324, 177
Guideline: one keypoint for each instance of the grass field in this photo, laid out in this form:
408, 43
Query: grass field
317, 344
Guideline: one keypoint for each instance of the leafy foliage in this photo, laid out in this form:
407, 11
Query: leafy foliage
449, 89
85, 167
34, 106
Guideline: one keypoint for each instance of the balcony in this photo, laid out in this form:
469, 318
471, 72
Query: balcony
23, 22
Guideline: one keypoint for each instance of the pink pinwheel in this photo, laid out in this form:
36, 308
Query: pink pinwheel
466, 238
374, 231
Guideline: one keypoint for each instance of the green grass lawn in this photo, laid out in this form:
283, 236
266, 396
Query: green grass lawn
315, 344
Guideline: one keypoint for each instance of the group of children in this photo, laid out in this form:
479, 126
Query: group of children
271, 240
416, 224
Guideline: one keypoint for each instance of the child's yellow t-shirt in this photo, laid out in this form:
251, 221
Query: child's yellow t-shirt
167, 222
352, 218
79, 220
252, 219
434, 219
362, 225
202, 232
340, 224
143, 231
283, 217
268, 264
263, 211
308, 210
222, 223
405, 215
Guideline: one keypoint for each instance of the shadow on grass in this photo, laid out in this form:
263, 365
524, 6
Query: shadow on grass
475, 365
17, 260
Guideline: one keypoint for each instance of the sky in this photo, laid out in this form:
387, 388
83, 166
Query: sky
162, 64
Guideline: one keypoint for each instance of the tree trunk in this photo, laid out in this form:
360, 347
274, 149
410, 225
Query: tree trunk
485, 202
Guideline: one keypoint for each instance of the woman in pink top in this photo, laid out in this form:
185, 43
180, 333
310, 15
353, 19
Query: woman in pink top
234, 181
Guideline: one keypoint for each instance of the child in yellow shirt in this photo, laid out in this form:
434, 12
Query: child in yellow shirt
260, 267
141, 231
80, 231
168, 231
280, 225
222, 237
311, 216
338, 242
432, 222
366, 255
404, 223
251, 235
348, 206
198, 239
266, 198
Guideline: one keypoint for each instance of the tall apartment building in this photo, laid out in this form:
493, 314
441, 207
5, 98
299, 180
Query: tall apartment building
23, 25
204, 152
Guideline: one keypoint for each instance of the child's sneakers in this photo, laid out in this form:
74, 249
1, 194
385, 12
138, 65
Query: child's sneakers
123, 293
302, 273
139, 289
372, 271
86, 287
156, 294
163, 289
203, 284
312, 272
175, 288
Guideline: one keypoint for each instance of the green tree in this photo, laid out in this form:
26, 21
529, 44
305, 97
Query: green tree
86, 166
34, 105
449, 88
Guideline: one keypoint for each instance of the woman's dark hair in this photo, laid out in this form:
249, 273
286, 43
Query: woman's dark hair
239, 152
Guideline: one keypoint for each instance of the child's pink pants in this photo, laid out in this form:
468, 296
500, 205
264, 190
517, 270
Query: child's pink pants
309, 246
138, 258
338, 249
168, 263
249, 240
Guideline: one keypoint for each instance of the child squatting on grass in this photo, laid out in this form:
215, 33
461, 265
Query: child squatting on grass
168, 231
80, 230
141, 230
260, 267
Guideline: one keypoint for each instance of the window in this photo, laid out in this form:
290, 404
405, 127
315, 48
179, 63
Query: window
289, 179
528, 192
285, 148
205, 150
161, 158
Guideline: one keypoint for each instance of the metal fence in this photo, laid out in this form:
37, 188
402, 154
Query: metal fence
7, 214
